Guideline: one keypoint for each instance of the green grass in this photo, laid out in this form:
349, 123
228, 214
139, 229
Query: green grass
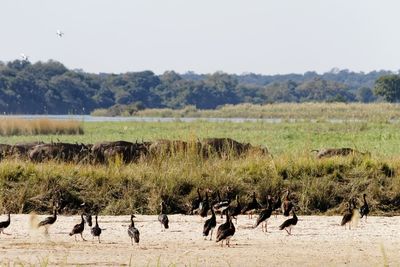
381, 139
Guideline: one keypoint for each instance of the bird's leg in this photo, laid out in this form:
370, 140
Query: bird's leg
131, 241
75, 238
287, 231
211, 234
83, 238
266, 230
99, 240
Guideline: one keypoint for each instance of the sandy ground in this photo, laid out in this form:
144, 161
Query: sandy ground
316, 241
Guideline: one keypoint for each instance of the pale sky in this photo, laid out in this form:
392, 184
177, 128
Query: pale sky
234, 36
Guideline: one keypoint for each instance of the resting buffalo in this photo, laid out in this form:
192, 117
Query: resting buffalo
330, 152
59, 151
127, 151
21, 150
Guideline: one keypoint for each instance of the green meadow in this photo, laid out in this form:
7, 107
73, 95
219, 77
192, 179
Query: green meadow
318, 185
379, 138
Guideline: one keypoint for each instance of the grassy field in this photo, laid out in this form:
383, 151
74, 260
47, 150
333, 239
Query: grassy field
320, 186
381, 139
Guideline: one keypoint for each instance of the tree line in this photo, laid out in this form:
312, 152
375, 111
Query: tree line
51, 88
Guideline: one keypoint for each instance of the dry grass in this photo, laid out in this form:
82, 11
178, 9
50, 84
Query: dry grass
319, 186
18, 126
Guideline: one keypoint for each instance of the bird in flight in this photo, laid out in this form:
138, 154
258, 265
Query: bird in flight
24, 57
59, 33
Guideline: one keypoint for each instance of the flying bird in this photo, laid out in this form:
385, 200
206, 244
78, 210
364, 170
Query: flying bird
59, 33
24, 57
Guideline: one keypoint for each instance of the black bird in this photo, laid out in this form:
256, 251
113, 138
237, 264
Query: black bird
196, 202
251, 207
364, 210
133, 232
289, 223
277, 204
88, 219
5, 224
78, 229
96, 230
87, 214
49, 221
209, 225
222, 204
265, 214
234, 211
225, 231
347, 217
204, 207
287, 205
163, 218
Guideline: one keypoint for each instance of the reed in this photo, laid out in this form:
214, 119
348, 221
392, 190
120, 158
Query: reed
287, 111
18, 126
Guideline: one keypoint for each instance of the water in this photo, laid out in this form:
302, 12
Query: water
89, 118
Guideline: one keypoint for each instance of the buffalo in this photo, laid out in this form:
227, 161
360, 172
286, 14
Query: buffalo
59, 151
127, 151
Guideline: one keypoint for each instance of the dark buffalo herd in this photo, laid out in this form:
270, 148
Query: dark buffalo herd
127, 152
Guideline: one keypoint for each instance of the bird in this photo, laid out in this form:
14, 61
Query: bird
348, 215
205, 206
277, 204
24, 57
287, 205
364, 209
59, 33
163, 218
88, 219
209, 225
133, 232
222, 204
265, 214
225, 231
96, 230
87, 214
234, 211
78, 229
251, 207
5, 224
46, 223
196, 202
289, 223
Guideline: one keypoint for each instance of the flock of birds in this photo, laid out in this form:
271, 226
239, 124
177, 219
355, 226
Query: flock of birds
203, 206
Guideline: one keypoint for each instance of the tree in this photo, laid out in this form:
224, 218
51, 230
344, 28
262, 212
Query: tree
365, 95
388, 86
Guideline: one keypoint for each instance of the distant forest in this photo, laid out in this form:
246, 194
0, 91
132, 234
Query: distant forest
51, 88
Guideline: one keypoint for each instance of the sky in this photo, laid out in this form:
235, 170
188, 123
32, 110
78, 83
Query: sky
204, 36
